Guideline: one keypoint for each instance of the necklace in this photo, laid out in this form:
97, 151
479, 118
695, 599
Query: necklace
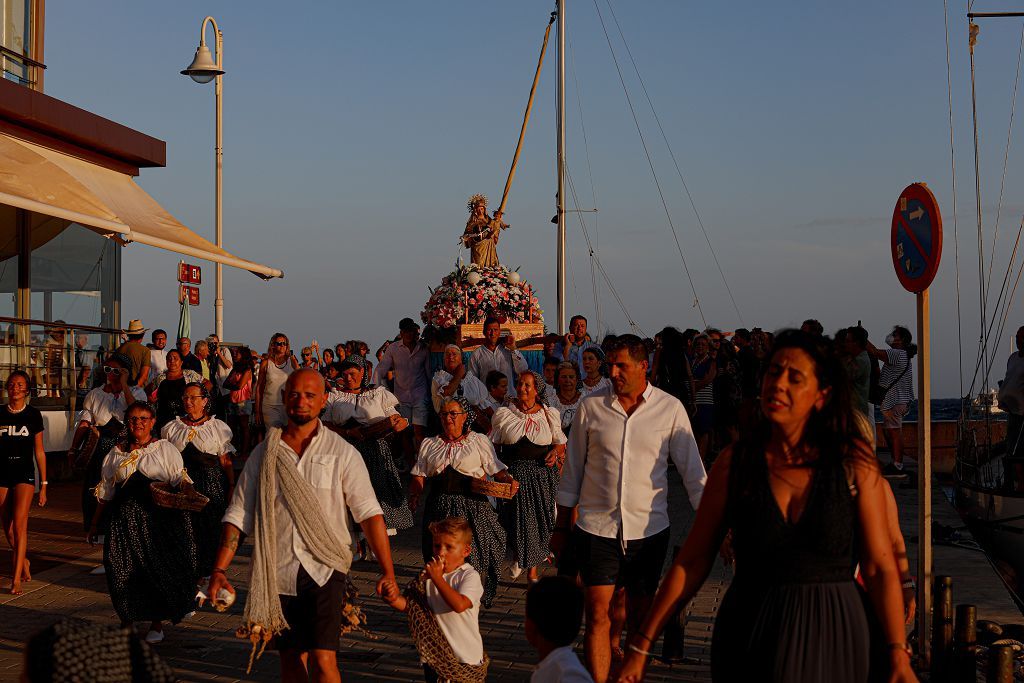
15, 412
193, 422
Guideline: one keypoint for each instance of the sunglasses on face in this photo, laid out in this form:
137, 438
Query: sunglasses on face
280, 343
109, 370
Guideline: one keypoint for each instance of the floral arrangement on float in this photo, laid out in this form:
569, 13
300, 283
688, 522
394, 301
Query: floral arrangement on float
471, 293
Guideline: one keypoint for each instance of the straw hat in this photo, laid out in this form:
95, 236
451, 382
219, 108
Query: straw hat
135, 327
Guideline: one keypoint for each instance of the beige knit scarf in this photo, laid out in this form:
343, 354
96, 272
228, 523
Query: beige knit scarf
263, 617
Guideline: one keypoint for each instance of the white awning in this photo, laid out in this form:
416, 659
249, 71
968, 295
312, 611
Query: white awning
42, 180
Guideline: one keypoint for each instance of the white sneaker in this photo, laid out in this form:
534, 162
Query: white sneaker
154, 637
98, 571
515, 570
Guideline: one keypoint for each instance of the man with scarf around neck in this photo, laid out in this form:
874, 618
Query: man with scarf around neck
302, 547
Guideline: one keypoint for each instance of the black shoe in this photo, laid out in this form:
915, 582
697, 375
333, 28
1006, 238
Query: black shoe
890, 471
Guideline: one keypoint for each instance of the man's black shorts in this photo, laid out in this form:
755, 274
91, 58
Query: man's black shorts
314, 614
603, 563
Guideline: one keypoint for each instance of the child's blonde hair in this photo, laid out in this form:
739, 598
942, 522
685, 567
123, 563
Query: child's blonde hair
452, 526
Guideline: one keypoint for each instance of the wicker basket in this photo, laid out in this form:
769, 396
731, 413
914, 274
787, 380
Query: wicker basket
186, 499
497, 489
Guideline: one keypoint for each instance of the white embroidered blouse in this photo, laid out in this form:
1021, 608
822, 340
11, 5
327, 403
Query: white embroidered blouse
543, 427
212, 437
158, 460
472, 455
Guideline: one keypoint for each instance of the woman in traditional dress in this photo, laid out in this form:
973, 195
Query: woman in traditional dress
482, 233
528, 436
366, 416
273, 373
149, 551
567, 397
451, 461
593, 380
103, 409
21, 454
170, 385
205, 445
804, 497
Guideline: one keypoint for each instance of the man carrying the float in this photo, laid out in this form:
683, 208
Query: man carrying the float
492, 356
301, 541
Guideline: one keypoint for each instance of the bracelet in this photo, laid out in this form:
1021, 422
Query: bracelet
633, 648
44, 482
641, 635
909, 583
218, 570
903, 647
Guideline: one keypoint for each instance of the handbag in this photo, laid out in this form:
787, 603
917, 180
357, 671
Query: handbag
877, 392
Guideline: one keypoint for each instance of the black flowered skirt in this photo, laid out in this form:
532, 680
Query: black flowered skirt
386, 482
211, 481
91, 478
150, 556
489, 543
529, 516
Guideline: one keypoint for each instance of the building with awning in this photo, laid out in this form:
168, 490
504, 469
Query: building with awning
69, 204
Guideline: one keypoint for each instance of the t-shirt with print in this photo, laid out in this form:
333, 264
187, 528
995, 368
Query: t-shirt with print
17, 442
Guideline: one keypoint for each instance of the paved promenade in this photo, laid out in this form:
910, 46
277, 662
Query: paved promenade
205, 649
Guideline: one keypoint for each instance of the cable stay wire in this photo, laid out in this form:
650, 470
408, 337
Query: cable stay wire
982, 298
671, 153
593, 191
650, 162
597, 260
956, 236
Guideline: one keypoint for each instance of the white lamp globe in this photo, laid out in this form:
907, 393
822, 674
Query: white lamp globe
473, 279
514, 278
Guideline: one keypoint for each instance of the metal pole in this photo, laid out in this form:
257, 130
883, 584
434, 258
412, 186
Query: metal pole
924, 480
218, 303
561, 166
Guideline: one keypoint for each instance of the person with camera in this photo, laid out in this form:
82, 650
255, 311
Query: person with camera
575, 342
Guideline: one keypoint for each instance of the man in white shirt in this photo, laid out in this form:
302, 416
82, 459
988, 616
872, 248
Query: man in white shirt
311, 593
505, 359
616, 476
554, 612
410, 361
158, 354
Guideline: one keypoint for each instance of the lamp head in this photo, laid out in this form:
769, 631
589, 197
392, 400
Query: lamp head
203, 69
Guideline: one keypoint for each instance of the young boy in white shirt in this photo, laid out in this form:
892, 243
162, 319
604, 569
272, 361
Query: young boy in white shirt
554, 613
453, 592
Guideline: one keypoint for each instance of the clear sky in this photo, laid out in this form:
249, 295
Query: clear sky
354, 133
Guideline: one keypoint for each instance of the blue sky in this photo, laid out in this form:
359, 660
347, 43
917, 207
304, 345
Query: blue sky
354, 132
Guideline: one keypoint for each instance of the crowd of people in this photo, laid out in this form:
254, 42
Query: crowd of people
321, 460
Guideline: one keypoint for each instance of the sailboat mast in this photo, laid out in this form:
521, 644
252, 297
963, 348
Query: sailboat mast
560, 163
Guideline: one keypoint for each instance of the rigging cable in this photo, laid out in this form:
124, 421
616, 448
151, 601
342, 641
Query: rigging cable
643, 141
983, 342
956, 237
672, 154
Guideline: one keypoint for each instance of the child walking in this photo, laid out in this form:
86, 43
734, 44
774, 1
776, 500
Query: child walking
443, 605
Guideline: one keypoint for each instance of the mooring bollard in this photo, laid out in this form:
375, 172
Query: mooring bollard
964, 667
942, 627
1000, 664
672, 644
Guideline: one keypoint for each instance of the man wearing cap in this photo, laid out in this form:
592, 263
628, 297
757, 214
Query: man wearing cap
137, 353
410, 361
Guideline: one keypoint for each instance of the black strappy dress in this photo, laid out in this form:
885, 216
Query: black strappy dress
793, 613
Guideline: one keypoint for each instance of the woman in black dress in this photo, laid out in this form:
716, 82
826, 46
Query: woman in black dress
803, 495
528, 436
149, 551
205, 445
170, 386
21, 452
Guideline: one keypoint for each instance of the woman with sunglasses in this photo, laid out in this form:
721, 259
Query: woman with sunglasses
367, 416
21, 451
450, 462
205, 445
103, 409
149, 551
273, 373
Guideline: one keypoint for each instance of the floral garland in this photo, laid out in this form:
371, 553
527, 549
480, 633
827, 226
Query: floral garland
483, 292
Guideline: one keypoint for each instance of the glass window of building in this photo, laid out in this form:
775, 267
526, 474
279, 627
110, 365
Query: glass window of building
16, 38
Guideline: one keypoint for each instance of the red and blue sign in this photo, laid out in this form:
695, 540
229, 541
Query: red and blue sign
916, 237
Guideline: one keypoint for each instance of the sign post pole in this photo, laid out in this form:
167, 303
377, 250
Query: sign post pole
916, 252
924, 480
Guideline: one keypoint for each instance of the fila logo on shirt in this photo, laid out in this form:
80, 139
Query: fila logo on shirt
14, 431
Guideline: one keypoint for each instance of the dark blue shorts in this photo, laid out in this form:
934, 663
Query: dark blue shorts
602, 562
704, 419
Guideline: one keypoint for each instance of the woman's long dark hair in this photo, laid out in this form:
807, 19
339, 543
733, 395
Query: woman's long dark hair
833, 431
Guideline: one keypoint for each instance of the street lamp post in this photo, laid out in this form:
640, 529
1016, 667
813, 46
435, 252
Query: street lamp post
203, 70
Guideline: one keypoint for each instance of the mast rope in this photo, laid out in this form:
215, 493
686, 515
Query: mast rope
643, 142
973, 31
956, 236
526, 116
672, 155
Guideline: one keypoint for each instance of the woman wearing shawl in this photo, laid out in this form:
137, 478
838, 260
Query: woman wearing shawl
528, 436
450, 462
366, 416
205, 445
149, 551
